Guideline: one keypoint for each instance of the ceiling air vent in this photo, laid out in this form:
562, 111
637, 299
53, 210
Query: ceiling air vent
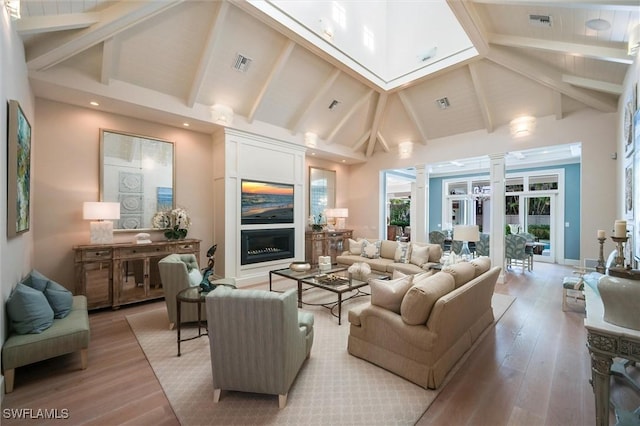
242, 63
442, 103
540, 20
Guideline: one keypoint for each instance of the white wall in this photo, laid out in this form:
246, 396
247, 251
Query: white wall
16, 254
596, 131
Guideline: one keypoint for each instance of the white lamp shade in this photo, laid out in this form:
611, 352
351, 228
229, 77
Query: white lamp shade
466, 233
98, 210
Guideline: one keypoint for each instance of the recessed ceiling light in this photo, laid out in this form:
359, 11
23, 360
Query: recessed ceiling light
94, 103
186, 124
598, 24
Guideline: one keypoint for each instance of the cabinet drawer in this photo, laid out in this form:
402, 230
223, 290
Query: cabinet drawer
130, 252
98, 254
187, 247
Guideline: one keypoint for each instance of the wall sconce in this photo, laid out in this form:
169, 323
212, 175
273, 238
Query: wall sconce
340, 215
522, 126
311, 139
405, 149
13, 7
101, 215
222, 115
634, 41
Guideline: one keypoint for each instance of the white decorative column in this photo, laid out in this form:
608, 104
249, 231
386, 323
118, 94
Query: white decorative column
421, 201
497, 171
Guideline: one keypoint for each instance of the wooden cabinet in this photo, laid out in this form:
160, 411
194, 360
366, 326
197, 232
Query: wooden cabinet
326, 243
118, 274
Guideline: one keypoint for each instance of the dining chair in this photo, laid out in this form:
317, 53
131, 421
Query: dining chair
515, 251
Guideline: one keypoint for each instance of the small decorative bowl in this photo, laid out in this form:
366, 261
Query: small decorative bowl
299, 266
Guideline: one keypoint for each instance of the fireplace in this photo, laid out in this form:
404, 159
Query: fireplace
263, 245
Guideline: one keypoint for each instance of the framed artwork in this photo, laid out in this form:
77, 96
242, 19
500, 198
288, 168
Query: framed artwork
266, 202
628, 189
18, 171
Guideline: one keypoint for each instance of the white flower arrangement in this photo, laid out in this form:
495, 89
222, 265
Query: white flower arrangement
176, 223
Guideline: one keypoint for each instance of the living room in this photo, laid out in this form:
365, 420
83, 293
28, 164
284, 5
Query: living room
66, 172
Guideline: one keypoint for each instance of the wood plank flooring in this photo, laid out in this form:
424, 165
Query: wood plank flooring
533, 370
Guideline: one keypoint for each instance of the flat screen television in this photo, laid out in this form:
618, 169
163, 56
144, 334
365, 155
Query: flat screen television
266, 202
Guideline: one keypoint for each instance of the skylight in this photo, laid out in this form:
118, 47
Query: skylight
384, 41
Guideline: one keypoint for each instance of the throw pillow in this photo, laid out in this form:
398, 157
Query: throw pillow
28, 310
36, 280
397, 274
462, 272
370, 250
388, 294
195, 278
419, 255
355, 247
60, 299
417, 303
401, 254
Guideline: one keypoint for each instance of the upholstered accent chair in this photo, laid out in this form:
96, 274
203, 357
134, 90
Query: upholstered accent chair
437, 237
482, 246
179, 271
258, 340
515, 251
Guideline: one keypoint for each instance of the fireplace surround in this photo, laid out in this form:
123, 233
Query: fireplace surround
263, 245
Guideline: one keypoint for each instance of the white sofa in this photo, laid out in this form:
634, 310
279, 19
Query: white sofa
408, 258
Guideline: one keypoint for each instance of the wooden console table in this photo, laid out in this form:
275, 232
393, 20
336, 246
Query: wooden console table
326, 243
605, 341
111, 275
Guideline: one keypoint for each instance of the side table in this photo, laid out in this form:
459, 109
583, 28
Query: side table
190, 295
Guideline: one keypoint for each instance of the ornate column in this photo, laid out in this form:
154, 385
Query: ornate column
497, 170
421, 202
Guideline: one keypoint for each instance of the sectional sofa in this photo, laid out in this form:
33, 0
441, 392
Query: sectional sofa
419, 326
386, 256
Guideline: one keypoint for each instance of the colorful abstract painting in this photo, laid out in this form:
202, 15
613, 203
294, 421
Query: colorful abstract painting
19, 171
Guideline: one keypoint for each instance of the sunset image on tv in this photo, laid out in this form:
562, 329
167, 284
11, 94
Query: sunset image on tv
266, 202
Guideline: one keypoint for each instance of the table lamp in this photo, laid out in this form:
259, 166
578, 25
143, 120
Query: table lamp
101, 215
466, 233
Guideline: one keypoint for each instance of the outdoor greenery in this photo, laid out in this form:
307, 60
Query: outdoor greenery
542, 232
399, 212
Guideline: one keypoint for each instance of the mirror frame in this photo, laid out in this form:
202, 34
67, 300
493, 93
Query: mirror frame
132, 137
331, 176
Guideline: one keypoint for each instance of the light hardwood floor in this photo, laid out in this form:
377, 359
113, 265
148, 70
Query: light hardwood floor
533, 370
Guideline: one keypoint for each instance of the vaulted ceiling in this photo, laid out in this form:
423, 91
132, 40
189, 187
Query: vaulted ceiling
170, 61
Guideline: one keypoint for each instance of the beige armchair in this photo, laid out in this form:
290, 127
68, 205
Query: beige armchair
258, 340
179, 271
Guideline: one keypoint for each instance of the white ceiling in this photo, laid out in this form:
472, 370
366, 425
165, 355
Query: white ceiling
169, 61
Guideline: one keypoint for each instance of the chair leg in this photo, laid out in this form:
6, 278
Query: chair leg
216, 395
282, 401
9, 376
564, 300
84, 356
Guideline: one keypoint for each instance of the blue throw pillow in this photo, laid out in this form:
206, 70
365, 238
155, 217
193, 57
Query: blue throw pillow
29, 310
60, 299
36, 280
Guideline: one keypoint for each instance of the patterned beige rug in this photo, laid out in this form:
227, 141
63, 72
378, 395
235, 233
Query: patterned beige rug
332, 388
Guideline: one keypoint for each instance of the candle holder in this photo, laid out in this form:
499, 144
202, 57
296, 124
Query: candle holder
600, 267
620, 258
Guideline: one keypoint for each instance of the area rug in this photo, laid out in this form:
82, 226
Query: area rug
332, 388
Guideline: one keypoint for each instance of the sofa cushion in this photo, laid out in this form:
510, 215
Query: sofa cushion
355, 247
405, 268
462, 272
419, 300
420, 277
481, 264
388, 294
419, 255
371, 250
28, 310
388, 249
401, 254
60, 299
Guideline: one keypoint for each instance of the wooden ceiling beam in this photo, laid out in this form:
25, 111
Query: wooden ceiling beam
363, 139
383, 142
108, 59
345, 119
113, 20
273, 75
45, 24
478, 88
413, 116
598, 85
377, 120
212, 40
298, 121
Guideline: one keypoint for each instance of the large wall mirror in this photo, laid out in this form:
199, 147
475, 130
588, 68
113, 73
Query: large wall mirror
322, 191
139, 173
